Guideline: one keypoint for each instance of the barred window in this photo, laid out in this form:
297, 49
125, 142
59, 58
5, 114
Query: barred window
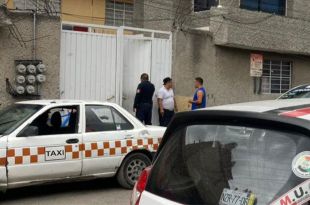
276, 76
270, 6
119, 12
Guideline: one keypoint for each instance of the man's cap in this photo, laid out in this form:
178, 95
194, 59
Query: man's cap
167, 80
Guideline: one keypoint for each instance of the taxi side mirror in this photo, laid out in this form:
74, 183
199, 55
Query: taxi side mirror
29, 131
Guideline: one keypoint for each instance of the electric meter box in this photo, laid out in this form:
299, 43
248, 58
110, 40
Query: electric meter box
20, 89
30, 75
31, 79
30, 89
20, 79
31, 69
21, 69
41, 78
41, 68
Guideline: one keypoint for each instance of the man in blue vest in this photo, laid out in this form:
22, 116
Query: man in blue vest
200, 97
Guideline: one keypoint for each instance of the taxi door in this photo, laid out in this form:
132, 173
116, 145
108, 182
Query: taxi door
3, 177
106, 132
47, 147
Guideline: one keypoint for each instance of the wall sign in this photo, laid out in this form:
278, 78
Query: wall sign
256, 65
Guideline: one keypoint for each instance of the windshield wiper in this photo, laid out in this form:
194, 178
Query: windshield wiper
3, 123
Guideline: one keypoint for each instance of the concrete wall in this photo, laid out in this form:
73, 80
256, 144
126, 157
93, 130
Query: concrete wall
226, 71
158, 14
233, 67
260, 31
48, 50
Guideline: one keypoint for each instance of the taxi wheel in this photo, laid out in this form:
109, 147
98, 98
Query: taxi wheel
131, 169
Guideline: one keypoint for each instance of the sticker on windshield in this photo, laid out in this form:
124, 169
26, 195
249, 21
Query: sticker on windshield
301, 165
297, 196
55, 153
234, 197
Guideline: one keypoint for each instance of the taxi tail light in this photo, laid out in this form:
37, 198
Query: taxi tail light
140, 186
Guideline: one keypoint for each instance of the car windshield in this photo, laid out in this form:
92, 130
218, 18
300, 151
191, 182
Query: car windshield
299, 92
225, 165
13, 116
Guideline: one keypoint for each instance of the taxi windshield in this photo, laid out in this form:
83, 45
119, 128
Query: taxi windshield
13, 116
299, 92
225, 165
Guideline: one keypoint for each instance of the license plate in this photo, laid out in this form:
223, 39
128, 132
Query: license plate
233, 197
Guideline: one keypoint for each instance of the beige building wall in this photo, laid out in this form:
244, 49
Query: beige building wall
83, 11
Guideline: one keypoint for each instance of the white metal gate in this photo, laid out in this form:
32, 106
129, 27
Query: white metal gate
88, 66
144, 55
137, 55
108, 67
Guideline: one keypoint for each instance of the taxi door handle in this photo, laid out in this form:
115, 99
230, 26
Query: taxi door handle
72, 141
129, 136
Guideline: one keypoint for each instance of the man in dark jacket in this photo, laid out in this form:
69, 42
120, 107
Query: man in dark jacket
143, 104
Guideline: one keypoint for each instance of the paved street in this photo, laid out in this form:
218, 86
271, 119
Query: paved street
102, 191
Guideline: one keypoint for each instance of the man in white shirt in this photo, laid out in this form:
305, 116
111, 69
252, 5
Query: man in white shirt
166, 102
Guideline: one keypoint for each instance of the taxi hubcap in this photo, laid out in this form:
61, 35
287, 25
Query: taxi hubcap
134, 170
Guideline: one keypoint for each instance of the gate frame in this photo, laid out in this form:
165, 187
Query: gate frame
119, 32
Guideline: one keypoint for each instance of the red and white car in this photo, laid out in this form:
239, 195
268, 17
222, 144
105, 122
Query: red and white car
254, 153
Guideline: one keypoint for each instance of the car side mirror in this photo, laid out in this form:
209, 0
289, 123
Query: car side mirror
29, 131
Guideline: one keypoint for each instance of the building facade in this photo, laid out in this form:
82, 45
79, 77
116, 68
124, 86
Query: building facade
101, 12
214, 39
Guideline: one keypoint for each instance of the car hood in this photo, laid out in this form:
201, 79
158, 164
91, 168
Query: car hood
156, 128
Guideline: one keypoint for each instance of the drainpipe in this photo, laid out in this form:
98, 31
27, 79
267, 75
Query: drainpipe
34, 55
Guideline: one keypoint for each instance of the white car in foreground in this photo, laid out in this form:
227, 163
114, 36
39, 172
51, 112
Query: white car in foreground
244, 154
50, 140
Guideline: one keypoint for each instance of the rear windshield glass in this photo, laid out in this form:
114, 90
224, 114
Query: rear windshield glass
299, 92
219, 164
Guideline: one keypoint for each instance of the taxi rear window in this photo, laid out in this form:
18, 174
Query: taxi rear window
221, 164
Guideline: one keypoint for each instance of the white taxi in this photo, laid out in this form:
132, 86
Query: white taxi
49, 140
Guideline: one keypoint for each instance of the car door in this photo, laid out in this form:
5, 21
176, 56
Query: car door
47, 148
3, 176
104, 140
